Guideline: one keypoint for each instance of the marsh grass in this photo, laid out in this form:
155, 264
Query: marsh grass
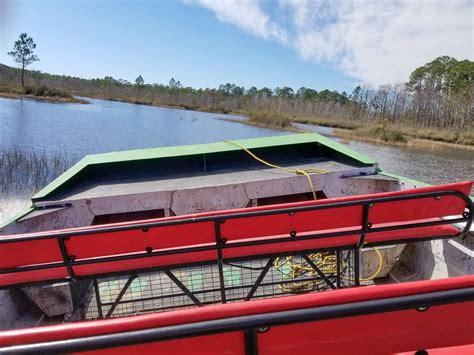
271, 120
40, 93
328, 122
440, 135
24, 171
378, 132
381, 131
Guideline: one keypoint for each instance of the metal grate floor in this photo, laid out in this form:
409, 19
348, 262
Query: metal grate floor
193, 286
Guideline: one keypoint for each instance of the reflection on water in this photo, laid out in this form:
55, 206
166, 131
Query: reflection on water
105, 126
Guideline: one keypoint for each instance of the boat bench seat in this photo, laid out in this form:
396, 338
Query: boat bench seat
408, 329
393, 217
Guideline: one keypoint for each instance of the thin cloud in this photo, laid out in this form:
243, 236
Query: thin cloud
247, 15
374, 41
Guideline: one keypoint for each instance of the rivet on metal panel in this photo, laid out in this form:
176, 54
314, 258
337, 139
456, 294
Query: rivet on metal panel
88, 202
371, 204
465, 215
149, 249
293, 233
369, 225
223, 240
422, 308
72, 258
437, 197
145, 230
263, 329
291, 213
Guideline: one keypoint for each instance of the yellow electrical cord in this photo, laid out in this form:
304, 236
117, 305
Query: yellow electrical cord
379, 269
326, 262
305, 172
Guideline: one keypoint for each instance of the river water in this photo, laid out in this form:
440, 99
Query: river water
104, 126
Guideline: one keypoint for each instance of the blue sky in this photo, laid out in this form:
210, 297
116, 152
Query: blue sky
204, 43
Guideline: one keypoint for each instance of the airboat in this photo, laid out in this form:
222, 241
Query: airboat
278, 245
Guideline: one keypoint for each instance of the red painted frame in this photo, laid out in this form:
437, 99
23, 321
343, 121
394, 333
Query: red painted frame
267, 233
443, 325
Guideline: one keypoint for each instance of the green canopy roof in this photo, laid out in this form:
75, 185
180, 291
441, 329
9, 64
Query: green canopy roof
154, 155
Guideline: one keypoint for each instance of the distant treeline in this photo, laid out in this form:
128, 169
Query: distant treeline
439, 94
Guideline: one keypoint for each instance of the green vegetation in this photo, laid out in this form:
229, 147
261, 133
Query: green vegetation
446, 136
269, 120
45, 91
381, 131
22, 53
42, 93
23, 171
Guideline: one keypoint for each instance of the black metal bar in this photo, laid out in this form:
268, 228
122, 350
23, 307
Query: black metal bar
251, 341
47, 207
151, 310
357, 252
419, 225
345, 233
338, 269
161, 268
97, 299
192, 220
251, 243
66, 261
182, 287
205, 262
365, 225
217, 326
120, 295
217, 229
212, 290
259, 279
318, 270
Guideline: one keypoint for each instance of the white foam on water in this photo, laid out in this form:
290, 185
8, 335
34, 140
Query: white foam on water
12, 206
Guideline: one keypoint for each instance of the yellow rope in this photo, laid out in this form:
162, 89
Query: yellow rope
379, 254
326, 262
305, 172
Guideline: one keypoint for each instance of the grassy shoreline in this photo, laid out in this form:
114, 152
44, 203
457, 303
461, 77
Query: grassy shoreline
263, 125
380, 132
394, 135
49, 99
411, 142
39, 93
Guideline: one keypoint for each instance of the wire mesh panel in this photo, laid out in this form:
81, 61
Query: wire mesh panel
193, 286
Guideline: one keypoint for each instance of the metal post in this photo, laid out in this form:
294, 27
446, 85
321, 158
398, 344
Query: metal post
182, 287
66, 261
259, 279
251, 341
97, 298
120, 295
356, 266
217, 226
318, 270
